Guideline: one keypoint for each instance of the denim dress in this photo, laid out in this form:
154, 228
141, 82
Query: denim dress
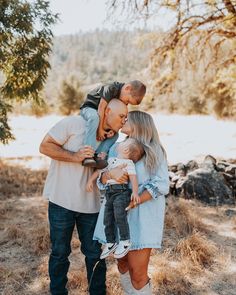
146, 221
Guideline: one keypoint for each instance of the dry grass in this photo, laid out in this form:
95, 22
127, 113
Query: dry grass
35, 240
77, 280
228, 288
234, 222
42, 269
171, 281
13, 280
113, 281
168, 275
40, 240
15, 233
161, 259
19, 181
182, 216
189, 256
199, 250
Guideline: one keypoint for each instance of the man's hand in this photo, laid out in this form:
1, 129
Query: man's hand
84, 152
119, 174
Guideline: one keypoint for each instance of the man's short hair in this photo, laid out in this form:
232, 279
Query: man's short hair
138, 90
136, 150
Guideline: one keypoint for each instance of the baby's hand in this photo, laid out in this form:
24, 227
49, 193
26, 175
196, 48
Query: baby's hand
89, 186
135, 198
102, 155
110, 133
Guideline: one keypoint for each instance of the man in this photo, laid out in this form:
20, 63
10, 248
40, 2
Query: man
69, 203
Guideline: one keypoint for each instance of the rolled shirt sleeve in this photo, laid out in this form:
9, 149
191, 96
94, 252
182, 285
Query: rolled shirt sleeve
158, 184
66, 127
100, 185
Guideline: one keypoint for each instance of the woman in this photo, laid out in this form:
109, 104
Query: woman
145, 220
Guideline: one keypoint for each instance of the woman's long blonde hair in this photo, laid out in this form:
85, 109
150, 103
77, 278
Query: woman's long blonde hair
144, 130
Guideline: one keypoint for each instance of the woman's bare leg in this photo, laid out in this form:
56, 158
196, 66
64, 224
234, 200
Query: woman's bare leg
138, 267
125, 279
123, 266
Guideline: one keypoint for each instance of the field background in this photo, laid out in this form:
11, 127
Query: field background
199, 247
184, 51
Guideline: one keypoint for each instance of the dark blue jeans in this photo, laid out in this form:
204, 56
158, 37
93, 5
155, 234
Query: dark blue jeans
117, 199
62, 222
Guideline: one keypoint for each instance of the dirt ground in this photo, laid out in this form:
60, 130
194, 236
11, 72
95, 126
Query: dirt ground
198, 254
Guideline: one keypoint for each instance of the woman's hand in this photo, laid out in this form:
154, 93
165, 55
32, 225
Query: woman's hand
145, 196
135, 197
132, 205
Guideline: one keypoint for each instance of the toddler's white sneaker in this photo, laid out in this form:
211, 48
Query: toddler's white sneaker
108, 249
122, 249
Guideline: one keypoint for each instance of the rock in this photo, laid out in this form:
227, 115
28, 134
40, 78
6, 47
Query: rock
233, 183
223, 163
231, 169
173, 179
171, 174
227, 176
192, 165
230, 212
210, 159
181, 169
220, 167
209, 162
173, 168
207, 185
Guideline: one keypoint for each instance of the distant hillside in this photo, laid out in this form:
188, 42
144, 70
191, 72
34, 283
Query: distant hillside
199, 83
95, 57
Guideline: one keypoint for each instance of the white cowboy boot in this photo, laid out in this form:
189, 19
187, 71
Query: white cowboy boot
146, 290
126, 283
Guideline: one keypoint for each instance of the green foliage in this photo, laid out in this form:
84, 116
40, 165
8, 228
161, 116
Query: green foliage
71, 96
25, 44
5, 133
